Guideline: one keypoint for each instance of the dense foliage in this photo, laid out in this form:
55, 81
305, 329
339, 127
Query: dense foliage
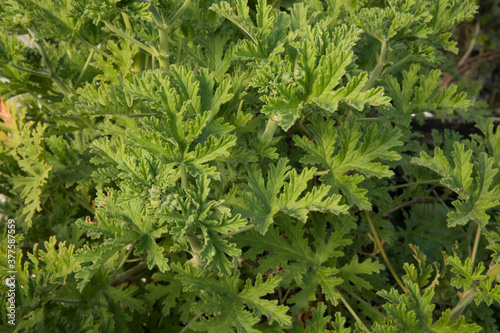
243, 167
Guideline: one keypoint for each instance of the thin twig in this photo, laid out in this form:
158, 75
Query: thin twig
476, 244
472, 43
129, 274
420, 182
243, 229
65, 300
352, 311
382, 251
408, 203
126, 257
89, 58
131, 39
191, 321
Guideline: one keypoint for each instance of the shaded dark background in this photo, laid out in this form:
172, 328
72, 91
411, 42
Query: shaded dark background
477, 66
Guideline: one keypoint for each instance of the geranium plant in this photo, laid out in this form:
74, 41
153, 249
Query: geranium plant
244, 166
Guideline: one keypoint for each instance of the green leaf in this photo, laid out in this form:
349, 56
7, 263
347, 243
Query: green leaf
474, 182
34, 171
418, 94
465, 274
347, 152
226, 307
312, 76
266, 200
156, 254
168, 293
266, 34
351, 271
216, 56
124, 297
319, 321
303, 264
444, 325
411, 312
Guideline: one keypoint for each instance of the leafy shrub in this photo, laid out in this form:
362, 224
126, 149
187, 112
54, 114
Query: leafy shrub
241, 167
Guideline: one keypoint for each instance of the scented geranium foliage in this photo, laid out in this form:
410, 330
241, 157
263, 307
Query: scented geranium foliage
243, 166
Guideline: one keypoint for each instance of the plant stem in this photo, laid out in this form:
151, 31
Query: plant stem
65, 300
494, 271
85, 67
128, 274
191, 321
470, 294
420, 182
196, 246
476, 244
378, 68
163, 32
164, 55
382, 251
272, 124
183, 176
29, 71
126, 257
178, 14
371, 311
157, 18
243, 229
126, 21
53, 75
466, 299
352, 311
408, 203
131, 39
287, 293
321, 173
93, 47
396, 65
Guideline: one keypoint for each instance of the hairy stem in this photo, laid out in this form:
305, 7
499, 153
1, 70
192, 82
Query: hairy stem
287, 293
191, 321
494, 271
272, 125
466, 299
420, 182
129, 274
370, 310
29, 71
243, 229
93, 47
53, 75
126, 21
131, 39
164, 53
476, 244
183, 176
352, 311
65, 300
382, 251
470, 294
163, 32
196, 246
178, 14
375, 75
396, 65
126, 257
84, 69
408, 203
321, 173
